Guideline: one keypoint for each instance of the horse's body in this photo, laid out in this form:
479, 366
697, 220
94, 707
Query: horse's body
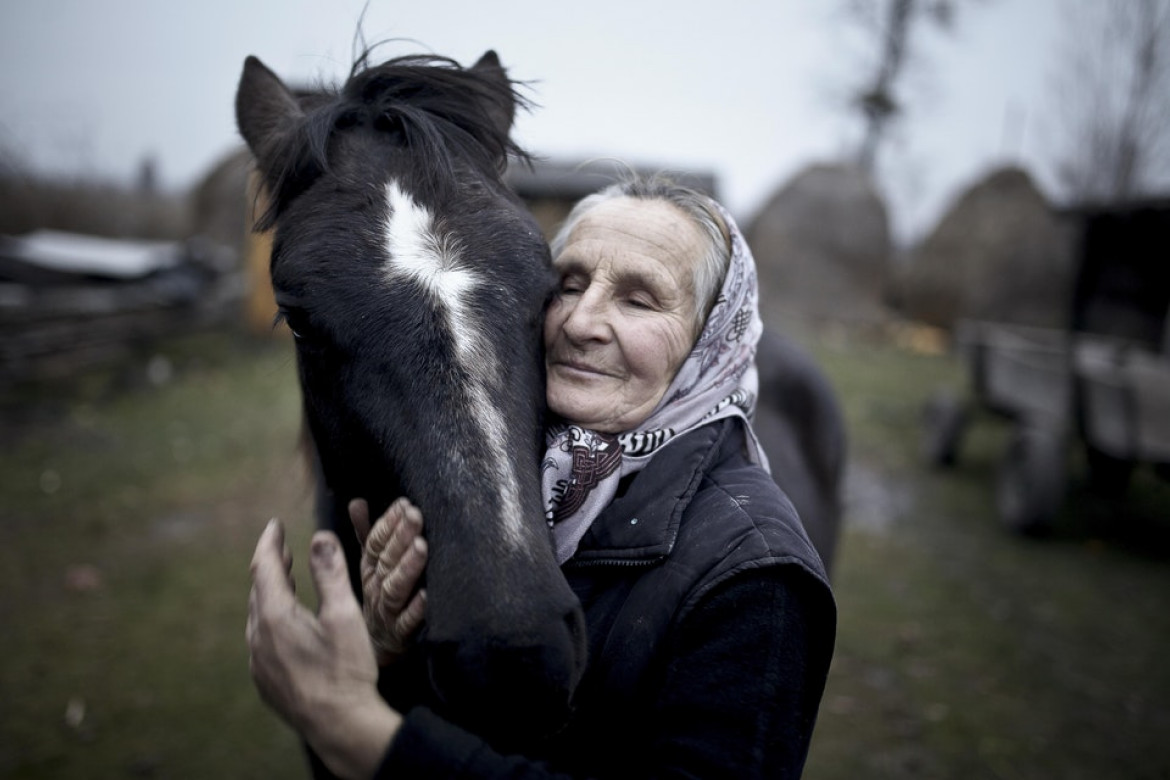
802, 430
415, 283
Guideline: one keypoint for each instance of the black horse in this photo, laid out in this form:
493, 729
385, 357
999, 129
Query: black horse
801, 427
414, 282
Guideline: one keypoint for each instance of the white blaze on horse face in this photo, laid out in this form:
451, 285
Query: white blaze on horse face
417, 253
421, 254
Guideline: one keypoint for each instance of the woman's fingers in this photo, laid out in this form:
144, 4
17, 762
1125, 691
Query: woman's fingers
273, 588
331, 580
272, 564
393, 533
389, 544
393, 559
359, 515
411, 618
391, 636
399, 577
312, 669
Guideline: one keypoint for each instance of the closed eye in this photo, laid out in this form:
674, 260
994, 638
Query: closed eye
570, 286
294, 319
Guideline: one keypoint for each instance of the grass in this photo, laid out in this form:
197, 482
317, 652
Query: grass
125, 535
967, 652
129, 512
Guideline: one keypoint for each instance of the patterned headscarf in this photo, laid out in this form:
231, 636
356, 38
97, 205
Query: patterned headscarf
582, 468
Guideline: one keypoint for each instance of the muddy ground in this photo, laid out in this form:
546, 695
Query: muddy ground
130, 501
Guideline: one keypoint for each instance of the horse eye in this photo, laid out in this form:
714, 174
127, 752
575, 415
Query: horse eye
295, 320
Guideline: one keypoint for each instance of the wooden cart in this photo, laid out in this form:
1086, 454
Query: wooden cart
1102, 384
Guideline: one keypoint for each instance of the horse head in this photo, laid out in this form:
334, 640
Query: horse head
414, 283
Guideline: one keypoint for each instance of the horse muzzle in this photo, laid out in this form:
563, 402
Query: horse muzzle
511, 688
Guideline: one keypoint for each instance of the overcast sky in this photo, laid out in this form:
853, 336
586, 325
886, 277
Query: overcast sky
747, 89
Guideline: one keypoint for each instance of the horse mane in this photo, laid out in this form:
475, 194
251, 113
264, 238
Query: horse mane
442, 111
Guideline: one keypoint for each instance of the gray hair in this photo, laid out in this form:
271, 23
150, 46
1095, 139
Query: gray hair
712, 266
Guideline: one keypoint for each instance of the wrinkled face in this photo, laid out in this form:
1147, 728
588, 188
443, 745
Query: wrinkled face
622, 321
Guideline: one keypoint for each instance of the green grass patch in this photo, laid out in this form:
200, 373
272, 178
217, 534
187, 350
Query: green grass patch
965, 651
126, 530
129, 512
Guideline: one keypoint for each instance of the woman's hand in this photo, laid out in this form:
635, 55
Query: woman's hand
317, 671
394, 555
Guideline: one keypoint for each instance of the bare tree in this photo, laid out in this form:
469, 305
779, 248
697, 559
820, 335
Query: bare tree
890, 24
1113, 92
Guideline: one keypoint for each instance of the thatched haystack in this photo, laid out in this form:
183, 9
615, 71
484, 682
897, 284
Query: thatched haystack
1000, 253
822, 244
220, 201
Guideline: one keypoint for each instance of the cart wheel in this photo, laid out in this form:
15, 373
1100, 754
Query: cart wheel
1108, 476
1031, 485
944, 419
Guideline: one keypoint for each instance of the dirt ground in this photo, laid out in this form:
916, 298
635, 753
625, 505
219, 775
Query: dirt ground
128, 511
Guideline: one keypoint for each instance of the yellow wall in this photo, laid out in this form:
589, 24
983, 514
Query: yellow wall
260, 303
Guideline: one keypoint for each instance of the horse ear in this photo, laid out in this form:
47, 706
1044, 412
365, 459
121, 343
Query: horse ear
266, 114
501, 112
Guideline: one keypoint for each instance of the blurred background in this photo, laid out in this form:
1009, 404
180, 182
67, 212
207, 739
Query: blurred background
961, 208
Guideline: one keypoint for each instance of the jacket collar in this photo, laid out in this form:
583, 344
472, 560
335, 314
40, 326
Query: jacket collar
640, 527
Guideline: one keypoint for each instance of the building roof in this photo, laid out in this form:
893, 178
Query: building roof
73, 253
571, 181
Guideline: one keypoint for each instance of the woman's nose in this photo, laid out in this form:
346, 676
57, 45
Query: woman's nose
586, 319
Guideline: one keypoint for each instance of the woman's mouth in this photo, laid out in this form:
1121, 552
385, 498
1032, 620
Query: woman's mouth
580, 367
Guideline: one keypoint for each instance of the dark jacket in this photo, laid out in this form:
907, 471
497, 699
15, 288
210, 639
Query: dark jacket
711, 626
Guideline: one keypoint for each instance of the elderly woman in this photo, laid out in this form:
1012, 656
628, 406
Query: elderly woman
710, 619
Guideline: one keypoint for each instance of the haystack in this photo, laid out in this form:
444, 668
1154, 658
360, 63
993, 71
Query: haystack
822, 244
1000, 253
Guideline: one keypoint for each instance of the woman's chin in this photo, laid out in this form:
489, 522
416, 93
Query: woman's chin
578, 410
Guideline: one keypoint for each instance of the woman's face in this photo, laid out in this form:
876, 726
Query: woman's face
623, 319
